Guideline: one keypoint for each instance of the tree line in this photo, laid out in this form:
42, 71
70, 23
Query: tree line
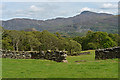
98, 40
37, 41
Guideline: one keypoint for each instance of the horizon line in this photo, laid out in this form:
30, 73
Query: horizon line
53, 17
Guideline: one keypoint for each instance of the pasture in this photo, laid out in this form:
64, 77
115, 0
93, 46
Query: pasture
83, 66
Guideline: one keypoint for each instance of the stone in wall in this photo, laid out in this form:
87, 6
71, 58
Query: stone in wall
108, 53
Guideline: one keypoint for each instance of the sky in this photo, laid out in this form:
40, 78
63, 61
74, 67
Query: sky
50, 10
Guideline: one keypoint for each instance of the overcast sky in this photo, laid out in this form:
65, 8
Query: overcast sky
49, 10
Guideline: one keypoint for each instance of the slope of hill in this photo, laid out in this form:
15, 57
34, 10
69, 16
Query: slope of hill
80, 23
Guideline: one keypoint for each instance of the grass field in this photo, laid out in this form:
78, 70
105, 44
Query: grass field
86, 67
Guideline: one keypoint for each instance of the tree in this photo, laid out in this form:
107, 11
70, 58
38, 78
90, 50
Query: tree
96, 40
73, 47
6, 43
92, 45
32, 41
15, 37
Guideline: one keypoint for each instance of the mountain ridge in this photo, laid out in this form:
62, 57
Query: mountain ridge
82, 22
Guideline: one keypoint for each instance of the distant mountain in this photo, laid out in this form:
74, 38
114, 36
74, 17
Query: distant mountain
80, 23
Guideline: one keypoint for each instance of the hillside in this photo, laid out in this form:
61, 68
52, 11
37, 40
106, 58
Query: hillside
80, 23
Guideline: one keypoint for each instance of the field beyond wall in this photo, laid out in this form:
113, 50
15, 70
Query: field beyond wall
83, 66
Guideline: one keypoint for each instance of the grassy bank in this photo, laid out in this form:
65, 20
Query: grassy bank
84, 66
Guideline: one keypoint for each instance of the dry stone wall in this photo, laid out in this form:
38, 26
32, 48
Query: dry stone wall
58, 56
108, 53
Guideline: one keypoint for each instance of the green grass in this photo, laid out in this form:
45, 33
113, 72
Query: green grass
35, 68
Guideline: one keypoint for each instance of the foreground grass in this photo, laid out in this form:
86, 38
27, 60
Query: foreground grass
84, 67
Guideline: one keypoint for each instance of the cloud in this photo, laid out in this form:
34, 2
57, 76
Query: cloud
109, 6
86, 9
51, 10
35, 8
98, 10
39, 11
108, 12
